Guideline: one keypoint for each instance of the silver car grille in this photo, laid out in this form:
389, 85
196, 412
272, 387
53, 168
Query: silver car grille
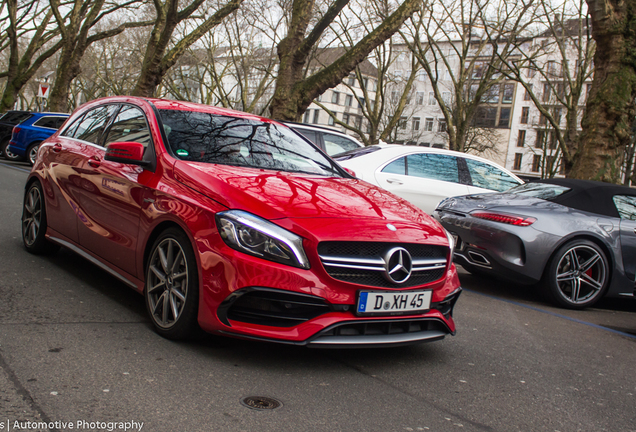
365, 263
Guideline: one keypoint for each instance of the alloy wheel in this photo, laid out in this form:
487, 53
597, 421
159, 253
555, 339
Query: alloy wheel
167, 286
581, 274
32, 217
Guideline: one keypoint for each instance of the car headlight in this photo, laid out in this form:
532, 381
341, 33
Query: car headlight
451, 244
252, 235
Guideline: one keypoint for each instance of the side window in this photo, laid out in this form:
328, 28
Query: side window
91, 126
310, 135
335, 144
433, 166
398, 166
50, 122
129, 125
626, 206
488, 176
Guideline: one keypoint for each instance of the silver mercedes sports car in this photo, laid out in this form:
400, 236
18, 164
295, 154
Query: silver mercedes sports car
575, 238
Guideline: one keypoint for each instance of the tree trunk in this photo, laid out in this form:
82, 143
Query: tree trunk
293, 93
610, 105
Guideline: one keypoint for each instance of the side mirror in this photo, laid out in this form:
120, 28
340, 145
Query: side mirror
126, 152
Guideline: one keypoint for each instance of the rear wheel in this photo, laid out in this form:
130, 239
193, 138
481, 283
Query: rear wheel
577, 275
172, 286
32, 152
7, 154
34, 222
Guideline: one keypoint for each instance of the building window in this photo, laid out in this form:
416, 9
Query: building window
517, 164
419, 98
553, 140
431, 98
540, 139
485, 117
316, 116
425, 144
352, 80
508, 93
536, 163
441, 125
402, 123
335, 98
421, 76
428, 126
504, 117
416, 123
546, 92
348, 100
525, 113
332, 120
543, 120
345, 118
446, 96
521, 139
306, 118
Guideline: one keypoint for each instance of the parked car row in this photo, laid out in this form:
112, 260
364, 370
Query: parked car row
22, 132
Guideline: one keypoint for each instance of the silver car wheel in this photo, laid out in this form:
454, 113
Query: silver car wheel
32, 218
581, 274
32, 153
167, 283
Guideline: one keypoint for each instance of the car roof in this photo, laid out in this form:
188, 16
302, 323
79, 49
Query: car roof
320, 129
395, 150
590, 196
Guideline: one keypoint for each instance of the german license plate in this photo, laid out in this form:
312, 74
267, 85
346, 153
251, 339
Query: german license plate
391, 302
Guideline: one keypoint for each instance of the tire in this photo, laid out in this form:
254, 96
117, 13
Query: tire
172, 286
577, 276
32, 152
7, 154
34, 222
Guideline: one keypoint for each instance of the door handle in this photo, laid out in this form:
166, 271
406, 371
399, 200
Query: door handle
94, 162
57, 148
394, 181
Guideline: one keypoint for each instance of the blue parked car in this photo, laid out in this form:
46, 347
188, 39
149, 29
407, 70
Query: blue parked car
28, 135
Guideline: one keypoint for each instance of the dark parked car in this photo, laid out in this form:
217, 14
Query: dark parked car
7, 123
577, 238
29, 134
232, 222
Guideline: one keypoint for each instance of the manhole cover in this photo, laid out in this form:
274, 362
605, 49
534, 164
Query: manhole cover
261, 403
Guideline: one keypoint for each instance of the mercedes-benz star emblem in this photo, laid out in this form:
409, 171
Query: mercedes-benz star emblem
398, 265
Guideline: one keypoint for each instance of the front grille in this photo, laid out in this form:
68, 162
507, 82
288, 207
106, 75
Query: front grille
363, 263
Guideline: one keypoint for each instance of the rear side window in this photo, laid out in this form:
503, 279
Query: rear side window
90, 127
52, 122
15, 117
488, 176
626, 206
398, 166
310, 135
129, 125
335, 144
433, 166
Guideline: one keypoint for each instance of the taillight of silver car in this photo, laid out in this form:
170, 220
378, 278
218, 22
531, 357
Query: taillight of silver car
504, 218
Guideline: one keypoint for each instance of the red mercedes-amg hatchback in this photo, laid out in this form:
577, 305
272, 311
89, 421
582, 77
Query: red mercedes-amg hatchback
234, 223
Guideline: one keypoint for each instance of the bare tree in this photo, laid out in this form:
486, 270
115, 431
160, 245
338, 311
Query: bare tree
159, 56
294, 90
30, 40
555, 68
611, 103
76, 23
462, 46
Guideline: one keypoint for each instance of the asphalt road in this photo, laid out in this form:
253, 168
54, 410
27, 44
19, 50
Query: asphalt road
76, 346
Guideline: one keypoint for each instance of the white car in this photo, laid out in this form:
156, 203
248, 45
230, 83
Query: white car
330, 141
425, 176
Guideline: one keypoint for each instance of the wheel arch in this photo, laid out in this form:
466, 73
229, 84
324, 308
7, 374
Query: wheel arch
590, 237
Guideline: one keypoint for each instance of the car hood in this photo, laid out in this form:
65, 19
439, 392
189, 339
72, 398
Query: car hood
276, 195
490, 201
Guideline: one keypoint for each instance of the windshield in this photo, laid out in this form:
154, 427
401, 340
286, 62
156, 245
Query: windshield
202, 137
544, 191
